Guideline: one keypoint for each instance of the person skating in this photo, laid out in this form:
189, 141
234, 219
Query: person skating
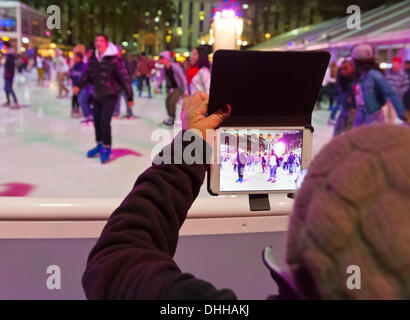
273, 163
75, 75
62, 70
400, 82
108, 76
372, 89
176, 83
9, 71
40, 70
144, 69
291, 163
241, 159
345, 98
263, 162
129, 113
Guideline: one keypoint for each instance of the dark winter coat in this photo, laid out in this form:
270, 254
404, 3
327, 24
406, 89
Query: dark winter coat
108, 77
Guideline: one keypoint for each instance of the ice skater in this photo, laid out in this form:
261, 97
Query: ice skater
241, 159
9, 70
273, 163
108, 76
291, 163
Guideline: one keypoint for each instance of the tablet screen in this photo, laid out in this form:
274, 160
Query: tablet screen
260, 160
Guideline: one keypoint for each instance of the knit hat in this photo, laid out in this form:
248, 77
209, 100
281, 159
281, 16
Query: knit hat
362, 51
166, 55
354, 209
397, 60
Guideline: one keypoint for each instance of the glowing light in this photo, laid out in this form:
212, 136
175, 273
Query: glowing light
156, 19
239, 42
25, 40
23, 49
267, 35
203, 42
70, 54
156, 58
179, 31
48, 33
244, 43
239, 27
125, 43
211, 41
53, 45
186, 54
168, 38
228, 14
385, 65
245, 6
5, 38
280, 148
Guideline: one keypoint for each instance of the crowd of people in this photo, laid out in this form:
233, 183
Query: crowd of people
275, 165
100, 78
360, 92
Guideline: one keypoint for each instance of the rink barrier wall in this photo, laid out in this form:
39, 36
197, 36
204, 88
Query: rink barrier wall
38, 218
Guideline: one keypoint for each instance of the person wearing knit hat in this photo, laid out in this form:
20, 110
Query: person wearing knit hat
371, 89
353, 209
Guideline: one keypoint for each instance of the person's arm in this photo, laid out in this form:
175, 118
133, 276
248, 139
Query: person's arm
160, 80
84, 81
178, 72
133, 258
405, 84
123, 78
388, 92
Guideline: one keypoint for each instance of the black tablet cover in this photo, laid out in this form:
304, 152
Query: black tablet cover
266, 88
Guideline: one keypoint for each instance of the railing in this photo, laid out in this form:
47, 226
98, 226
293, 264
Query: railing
84, 218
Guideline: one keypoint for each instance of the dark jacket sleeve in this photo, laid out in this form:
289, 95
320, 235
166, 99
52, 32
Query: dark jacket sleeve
133, 258
85, 79
123, 77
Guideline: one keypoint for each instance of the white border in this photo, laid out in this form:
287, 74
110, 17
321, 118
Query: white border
215, 168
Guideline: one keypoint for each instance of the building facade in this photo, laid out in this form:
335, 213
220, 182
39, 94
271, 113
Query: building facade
262, 18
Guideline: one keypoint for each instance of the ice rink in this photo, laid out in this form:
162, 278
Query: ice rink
42, 149
256, 180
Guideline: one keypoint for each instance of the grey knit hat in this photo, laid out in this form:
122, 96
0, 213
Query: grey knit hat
354, 209
362, 51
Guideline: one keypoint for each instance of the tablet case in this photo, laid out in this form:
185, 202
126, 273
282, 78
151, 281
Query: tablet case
266, 88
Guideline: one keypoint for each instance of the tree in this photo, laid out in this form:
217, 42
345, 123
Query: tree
120, 20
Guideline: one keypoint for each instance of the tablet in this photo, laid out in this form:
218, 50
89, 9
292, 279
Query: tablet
259, 160
272, 96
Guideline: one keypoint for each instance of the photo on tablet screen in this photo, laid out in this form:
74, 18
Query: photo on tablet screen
259, 159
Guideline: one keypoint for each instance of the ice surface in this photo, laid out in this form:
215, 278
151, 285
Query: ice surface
42, 149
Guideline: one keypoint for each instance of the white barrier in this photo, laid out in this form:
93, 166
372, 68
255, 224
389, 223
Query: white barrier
26, 218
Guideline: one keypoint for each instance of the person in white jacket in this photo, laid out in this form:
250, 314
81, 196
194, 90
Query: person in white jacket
62, 71
202, 80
